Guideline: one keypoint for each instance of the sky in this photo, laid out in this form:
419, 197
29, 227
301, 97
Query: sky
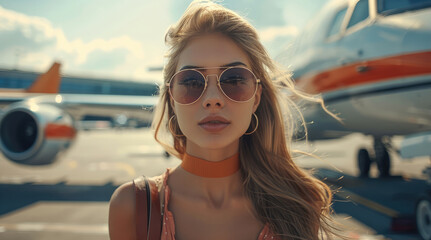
123, 39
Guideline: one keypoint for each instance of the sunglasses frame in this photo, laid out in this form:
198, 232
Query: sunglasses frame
168, 84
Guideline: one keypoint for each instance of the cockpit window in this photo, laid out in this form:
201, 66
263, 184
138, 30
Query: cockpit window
336, 22
360, 13
388, 7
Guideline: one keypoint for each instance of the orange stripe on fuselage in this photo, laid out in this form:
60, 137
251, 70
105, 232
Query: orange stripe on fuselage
53, 130
377, 70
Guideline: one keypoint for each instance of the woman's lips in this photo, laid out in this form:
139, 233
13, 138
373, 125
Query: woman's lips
213, 126
214, 123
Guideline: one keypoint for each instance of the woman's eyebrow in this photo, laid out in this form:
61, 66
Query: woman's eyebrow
235, 64
189, 67
226, 65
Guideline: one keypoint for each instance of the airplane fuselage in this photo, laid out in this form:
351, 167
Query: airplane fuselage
375, 73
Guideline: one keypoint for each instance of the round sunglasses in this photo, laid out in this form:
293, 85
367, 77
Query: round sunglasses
238, 84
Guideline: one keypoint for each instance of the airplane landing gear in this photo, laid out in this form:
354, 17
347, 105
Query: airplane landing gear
381, 158
423, 217
364, 162
423, 210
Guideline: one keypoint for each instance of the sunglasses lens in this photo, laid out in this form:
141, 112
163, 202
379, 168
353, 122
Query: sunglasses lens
187, 86
239, 84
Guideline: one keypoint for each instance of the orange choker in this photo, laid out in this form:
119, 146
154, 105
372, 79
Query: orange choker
204, 168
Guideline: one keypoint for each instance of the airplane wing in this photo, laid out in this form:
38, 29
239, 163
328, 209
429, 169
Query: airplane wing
79, 105
36, 124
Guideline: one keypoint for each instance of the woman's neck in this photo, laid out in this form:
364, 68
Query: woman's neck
209, 169
212, 154
216, 191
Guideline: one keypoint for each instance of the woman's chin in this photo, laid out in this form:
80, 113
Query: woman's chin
214, 143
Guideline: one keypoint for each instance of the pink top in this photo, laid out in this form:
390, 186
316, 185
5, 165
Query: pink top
168, 229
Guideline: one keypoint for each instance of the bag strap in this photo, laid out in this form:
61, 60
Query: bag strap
147, 216
156, 219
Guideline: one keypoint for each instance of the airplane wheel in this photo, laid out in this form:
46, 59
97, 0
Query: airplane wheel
364, 162
423, 217
383, 162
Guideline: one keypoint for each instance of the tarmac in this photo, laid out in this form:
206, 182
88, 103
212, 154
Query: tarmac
70, 199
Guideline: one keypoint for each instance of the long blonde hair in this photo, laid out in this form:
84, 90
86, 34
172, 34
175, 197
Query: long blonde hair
291, 201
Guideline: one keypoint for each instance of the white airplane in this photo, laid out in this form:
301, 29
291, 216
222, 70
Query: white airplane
371, 62
36, 124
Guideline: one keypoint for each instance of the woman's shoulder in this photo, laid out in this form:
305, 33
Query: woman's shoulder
122, 212
123, 196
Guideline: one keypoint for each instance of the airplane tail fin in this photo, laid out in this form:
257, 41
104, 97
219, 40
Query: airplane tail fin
48, 82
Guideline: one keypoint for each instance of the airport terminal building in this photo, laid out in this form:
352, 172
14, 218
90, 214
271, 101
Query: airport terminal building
81, 85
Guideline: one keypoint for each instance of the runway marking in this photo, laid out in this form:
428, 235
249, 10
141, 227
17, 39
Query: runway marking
54, 227
112, 166
72, 164
126, 167
367, 203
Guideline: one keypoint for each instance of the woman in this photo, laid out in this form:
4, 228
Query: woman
220, 106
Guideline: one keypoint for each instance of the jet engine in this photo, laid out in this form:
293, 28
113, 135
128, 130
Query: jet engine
35, 134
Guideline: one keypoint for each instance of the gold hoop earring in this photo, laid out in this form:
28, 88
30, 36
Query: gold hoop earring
170, 128
255, 128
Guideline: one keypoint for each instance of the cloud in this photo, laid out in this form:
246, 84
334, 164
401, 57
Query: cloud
18, 30
277, 39
81, 50
271, 33
33, 42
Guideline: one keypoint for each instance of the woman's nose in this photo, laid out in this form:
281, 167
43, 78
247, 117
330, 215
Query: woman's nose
213, 97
